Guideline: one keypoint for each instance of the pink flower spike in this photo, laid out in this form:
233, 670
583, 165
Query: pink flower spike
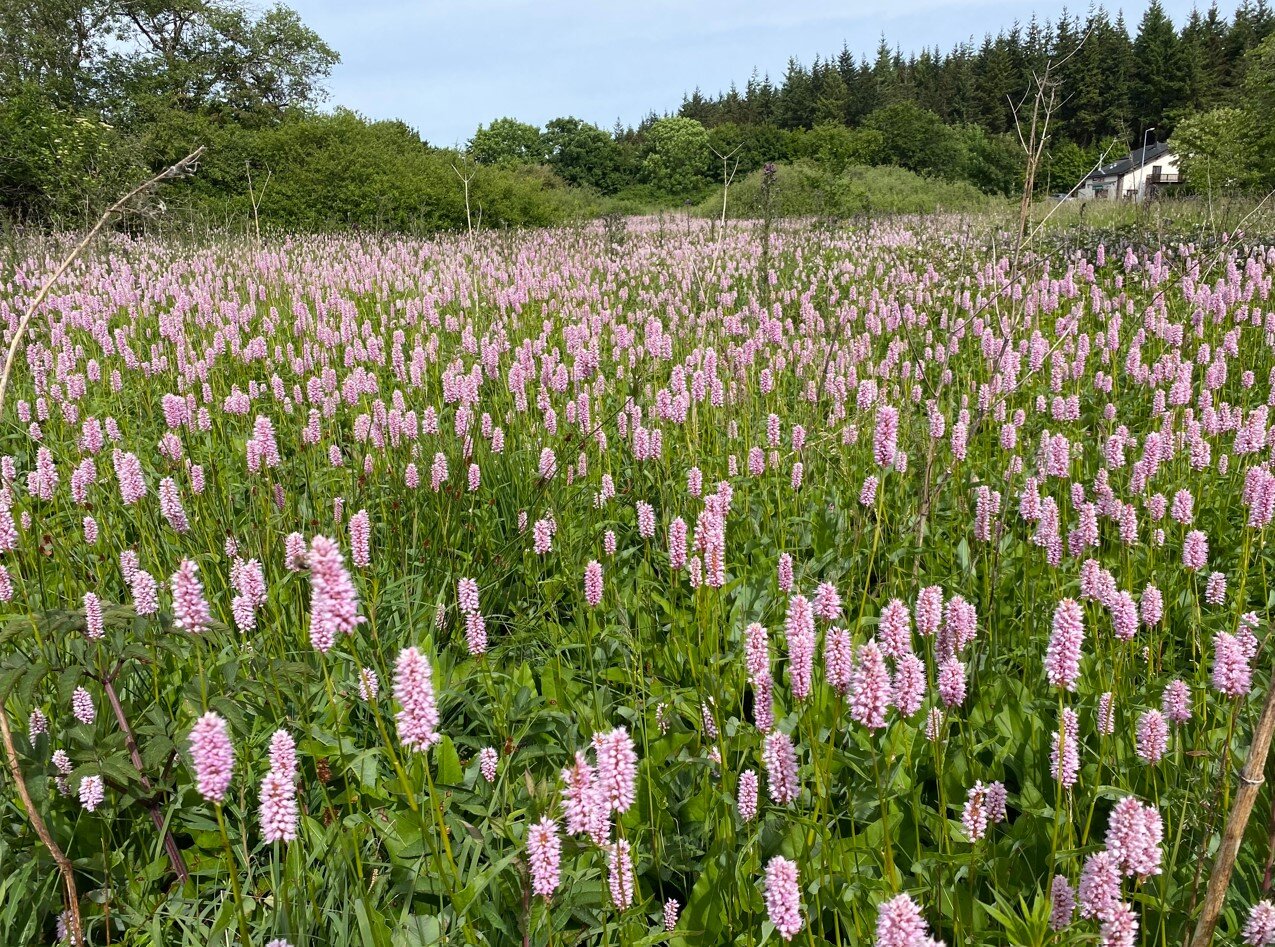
212, 755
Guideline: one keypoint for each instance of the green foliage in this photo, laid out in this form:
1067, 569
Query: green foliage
585, 155
508, 141
338, 171
215, 57
1259, 87
992, 163
805, 189
835, 148
676, 157
1112, 86
407, 849
168, 77
750, 145
916, 139
59, 164
1234, 147
1065, 165
1217, 150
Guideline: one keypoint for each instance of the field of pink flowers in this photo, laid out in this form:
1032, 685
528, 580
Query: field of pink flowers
856, 586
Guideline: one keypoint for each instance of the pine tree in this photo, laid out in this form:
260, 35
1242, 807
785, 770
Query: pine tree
796, 101
861, 94
885, 75
1159, 82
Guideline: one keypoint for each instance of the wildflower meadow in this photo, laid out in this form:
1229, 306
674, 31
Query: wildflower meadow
663, 583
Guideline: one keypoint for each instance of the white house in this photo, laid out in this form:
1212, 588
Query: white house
1142, 174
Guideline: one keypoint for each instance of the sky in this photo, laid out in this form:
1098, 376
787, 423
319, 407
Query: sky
447, 66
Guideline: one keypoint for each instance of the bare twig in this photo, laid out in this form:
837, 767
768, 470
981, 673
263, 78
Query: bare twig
255, 197
728, 175
1250, 784
465, 179
187, 165
152, 806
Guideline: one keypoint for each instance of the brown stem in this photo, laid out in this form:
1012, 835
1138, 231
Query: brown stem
1233, 834
37, 822
170, 844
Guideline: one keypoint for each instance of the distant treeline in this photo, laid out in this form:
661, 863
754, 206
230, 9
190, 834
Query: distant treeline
1209, 85
95, 93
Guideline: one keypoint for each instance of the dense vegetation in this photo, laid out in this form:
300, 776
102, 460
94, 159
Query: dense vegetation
630, 585
97, 93
93, 93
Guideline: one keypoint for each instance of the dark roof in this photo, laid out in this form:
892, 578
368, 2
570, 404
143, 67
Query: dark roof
1135, 160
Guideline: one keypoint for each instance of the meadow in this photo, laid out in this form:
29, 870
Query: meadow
637, 584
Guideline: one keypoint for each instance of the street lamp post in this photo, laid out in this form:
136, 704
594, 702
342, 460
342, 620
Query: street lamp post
1142, 189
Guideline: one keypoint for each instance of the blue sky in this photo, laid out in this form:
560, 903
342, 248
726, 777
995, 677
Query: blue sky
446, 67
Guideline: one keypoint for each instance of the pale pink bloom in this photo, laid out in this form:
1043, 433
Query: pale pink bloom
909, 685
278, 812
145, 592
212, 755
1062, 658
1153, 736
190, 609
929, 610
894, 630
974, 815
800, 636
1195, 550
1065, 754
1106, 714
283, 754
780, 760
37, 723
870, 688
620, 874
1134, 834
900, 924
475, 634
617, 768
334, 603
94, 625
783, 896
593, 583
951, 682
587, 811
1232, 675
747, 795
92, 792
1259, 930
360, 527
756, 653
414, 691
1099, 885
838, 660
544, 853
82, 706
1176, 702
369, 685
487, 762
1063, 903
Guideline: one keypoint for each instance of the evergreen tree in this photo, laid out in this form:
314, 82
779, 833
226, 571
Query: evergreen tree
1159, 81
885, 75
796, 101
